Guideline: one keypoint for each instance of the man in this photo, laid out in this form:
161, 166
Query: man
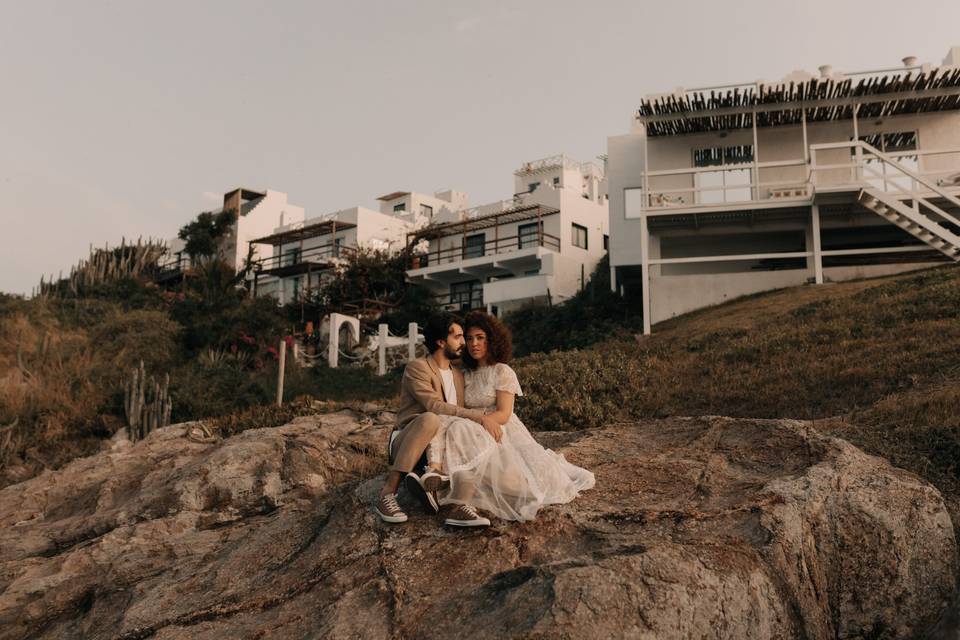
431, 386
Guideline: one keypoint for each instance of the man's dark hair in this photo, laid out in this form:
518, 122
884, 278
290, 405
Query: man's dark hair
438, 328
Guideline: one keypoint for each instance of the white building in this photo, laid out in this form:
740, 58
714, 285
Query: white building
258, 212
724, 191
541, 245
304, 254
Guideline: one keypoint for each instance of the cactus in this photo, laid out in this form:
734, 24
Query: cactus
105, 265
142, 416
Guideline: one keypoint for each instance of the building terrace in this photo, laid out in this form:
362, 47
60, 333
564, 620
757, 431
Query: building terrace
500, 244
820, 178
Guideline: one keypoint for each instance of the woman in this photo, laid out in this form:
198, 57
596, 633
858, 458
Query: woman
512, 476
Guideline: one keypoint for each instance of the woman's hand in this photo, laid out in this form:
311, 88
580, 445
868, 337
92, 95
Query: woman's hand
492, 426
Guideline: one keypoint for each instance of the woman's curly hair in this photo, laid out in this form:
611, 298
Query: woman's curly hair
499, 340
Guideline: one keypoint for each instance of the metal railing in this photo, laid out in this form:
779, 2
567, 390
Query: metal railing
315, 255
496, 246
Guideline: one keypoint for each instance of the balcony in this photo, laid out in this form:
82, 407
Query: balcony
831, 168
296, 262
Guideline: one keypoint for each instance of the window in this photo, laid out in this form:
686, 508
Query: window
473, 246
337, 244
556, 181
467, 295
532, 186
296, 288
426, 210
528, 235
606, 242
899, 145
291, 256
729, 184
579, 236
400, 207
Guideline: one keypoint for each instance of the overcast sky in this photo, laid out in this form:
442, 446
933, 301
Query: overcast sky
128, 118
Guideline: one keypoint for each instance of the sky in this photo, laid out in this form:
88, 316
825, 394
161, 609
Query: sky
127, 118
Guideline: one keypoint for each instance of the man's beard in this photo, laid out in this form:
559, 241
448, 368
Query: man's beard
450, 353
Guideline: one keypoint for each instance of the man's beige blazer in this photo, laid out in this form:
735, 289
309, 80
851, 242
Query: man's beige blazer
421, 390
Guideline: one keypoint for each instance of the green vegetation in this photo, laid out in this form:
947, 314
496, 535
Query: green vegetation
203, 235
371, 275
593, 315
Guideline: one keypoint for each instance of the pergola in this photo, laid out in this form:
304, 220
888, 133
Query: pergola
322, 258
863, 95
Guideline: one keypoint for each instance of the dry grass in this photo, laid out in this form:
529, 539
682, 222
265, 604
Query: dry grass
875, 361
58, 377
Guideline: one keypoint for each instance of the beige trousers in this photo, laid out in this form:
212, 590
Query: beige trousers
410, 443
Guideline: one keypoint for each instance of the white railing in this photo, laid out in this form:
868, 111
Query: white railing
862, 154
490, 207
798, 179
549, 162
885, 172
663, 195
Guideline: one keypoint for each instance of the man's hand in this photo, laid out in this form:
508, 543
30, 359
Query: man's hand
493, 427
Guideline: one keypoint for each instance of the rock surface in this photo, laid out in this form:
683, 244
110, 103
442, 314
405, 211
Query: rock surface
707, 527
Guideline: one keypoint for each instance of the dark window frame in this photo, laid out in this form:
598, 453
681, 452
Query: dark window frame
533, 239
470, 250
586, 236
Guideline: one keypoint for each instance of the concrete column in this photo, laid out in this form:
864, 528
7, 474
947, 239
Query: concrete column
814, 235
613, 278
333, 349
645, 273
412, 332
653, 241
382, 350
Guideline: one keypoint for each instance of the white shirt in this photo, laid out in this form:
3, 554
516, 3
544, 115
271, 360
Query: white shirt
449, 389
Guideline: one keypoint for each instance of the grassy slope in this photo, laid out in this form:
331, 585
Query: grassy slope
874, 361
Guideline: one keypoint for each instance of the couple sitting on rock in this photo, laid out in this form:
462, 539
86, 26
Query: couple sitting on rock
458, 446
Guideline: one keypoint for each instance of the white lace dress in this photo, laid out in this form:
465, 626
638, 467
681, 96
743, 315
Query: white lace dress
514, 478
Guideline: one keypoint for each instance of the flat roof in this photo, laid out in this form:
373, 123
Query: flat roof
872, 94
322, 228
245, 194
394, 195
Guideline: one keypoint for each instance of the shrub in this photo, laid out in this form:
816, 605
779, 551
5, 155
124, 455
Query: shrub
593, 315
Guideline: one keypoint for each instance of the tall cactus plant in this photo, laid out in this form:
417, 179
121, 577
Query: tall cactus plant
105, 265
146, 403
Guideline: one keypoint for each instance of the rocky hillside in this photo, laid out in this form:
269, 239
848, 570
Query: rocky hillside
698, 527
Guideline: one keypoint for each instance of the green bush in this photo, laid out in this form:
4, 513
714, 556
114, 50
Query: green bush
573, 390
593, 315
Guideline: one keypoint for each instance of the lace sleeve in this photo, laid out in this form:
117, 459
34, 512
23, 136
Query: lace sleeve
507, 380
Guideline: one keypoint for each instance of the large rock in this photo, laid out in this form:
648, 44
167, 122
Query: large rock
708, 528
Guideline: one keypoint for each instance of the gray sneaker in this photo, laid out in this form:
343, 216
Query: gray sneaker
463, 515
388, 509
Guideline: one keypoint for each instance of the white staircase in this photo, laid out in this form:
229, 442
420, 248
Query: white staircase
910, 209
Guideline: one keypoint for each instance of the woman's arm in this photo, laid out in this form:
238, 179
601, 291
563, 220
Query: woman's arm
504, 407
